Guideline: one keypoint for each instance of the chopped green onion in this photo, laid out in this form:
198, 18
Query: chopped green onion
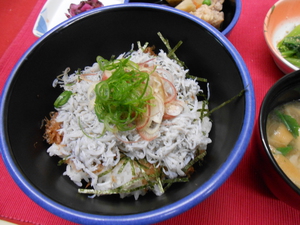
206, 2
284, 150
290, 123
123, 96
86, 134
62, 99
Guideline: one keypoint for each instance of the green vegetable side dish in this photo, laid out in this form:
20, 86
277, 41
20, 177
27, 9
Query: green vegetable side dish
289, 46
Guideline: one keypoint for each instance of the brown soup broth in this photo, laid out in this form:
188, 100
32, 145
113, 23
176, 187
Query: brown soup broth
283, 135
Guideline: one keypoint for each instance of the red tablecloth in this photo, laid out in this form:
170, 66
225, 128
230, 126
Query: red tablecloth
242, 199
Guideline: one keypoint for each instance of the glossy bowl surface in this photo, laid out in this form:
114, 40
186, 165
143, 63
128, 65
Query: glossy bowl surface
284, 90
28, 97
281, 18
231, 8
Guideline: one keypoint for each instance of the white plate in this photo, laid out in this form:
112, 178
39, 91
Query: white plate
53, 13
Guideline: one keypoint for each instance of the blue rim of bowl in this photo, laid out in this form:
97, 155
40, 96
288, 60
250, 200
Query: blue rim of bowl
228, 29
165, 212
238, 9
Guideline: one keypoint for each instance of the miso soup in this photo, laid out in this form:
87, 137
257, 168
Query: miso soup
283, 133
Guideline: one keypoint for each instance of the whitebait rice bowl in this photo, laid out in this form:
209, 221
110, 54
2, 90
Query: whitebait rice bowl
103, 162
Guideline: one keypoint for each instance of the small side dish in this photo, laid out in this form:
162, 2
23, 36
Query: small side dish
83, 6
207, 10
281, 19
284, 140
54, 12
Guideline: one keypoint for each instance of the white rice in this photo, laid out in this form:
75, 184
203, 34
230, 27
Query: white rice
173, 149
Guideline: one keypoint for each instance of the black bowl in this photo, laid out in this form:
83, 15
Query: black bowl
28, 97
231, 8
284, 90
